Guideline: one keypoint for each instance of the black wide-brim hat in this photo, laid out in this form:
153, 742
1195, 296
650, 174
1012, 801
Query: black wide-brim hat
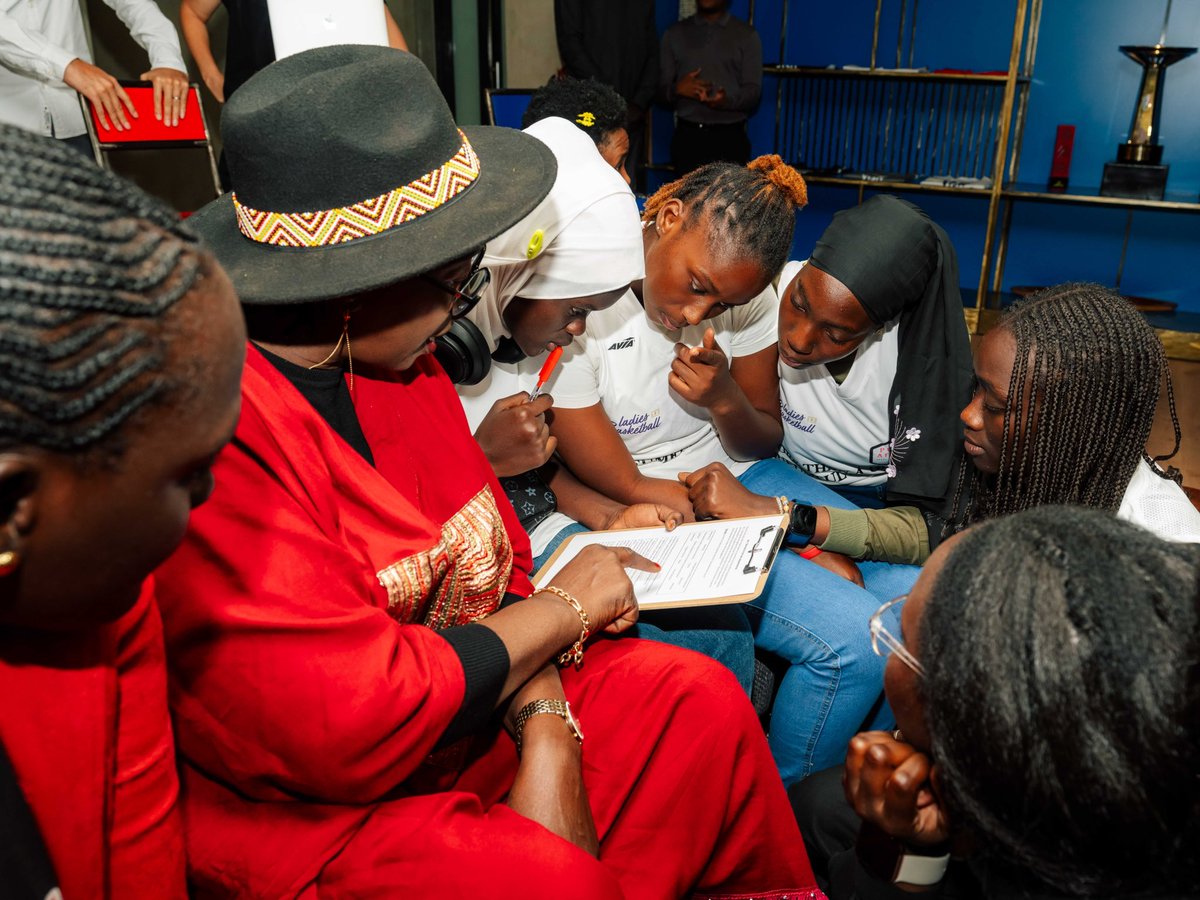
345, 142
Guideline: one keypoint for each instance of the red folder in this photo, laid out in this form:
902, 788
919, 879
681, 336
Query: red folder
146, 129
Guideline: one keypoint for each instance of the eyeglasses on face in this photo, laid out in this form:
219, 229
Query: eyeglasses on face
468, 291
884, 642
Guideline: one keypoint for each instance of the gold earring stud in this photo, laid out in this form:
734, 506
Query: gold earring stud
8, 562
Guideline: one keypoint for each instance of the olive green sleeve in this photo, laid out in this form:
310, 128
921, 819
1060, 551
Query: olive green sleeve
897, 534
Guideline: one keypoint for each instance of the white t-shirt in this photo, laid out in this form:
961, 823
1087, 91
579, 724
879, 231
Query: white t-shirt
1160, 506
38, 40
622, 362
504, 380
840, 433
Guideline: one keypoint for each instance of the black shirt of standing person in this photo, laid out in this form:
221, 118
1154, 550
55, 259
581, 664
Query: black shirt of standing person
710, 72
251, 46
615, 42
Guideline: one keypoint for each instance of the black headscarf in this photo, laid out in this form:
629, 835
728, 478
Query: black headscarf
900, 264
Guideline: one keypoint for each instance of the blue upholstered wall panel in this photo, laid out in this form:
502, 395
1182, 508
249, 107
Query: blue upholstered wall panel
1080, 78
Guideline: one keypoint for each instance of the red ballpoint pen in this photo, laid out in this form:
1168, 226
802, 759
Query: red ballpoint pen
547, 371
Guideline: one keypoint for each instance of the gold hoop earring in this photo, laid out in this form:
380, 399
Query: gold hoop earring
343, 338
9, 560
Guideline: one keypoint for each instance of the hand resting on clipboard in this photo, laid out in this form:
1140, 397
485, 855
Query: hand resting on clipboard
702, 563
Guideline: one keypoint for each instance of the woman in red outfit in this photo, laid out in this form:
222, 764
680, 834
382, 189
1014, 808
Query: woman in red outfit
362, 677
107, 434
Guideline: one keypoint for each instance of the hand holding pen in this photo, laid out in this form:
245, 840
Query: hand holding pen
514, 435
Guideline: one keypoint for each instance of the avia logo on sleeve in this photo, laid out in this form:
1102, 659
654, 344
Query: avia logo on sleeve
622, 345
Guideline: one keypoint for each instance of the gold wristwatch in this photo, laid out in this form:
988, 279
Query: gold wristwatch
559, 708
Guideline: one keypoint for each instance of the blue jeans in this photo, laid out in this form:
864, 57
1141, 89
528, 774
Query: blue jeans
719, 632
867, 496
816, 622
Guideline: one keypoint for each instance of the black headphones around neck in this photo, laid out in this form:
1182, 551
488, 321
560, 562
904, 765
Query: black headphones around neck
463, 353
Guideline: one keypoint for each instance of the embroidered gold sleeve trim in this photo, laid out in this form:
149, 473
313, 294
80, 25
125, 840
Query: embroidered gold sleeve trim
461, 578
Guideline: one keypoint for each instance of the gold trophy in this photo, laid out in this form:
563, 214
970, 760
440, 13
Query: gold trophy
1138, 171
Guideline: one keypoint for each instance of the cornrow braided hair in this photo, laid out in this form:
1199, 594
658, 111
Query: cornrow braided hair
1081, 403
89, 268
1062, 698
749, 210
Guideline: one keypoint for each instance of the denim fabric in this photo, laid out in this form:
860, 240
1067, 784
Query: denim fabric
719, 632
867, 496
817, 623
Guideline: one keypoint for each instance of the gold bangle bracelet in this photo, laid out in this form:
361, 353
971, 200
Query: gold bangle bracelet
574, 653
785, 505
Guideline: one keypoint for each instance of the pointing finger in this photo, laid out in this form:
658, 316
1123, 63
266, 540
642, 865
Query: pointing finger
630, 559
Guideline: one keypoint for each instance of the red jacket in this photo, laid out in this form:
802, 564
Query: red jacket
83, 717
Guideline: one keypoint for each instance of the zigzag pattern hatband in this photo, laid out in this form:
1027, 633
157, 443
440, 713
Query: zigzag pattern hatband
326, 227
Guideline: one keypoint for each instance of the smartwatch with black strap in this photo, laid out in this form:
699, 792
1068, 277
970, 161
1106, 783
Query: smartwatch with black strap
802, 523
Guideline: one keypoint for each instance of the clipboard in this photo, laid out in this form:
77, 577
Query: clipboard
707, 563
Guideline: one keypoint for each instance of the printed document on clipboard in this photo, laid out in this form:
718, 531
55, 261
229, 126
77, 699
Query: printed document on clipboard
703, 563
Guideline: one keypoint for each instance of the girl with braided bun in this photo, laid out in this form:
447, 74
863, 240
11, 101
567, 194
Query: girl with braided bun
682, 372
711, 242
121, 348
1066, 388
1046, 682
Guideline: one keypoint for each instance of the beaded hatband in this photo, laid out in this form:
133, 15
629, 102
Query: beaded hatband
324, 228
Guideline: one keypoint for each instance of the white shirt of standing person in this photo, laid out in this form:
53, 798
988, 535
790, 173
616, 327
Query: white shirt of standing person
39, 39
622, 362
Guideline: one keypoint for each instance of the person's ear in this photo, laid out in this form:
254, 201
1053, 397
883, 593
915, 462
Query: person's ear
669, 218
19, 480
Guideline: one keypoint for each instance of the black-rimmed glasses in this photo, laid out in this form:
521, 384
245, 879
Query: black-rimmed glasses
468, 291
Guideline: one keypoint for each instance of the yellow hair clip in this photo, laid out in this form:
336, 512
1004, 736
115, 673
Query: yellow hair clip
586, 119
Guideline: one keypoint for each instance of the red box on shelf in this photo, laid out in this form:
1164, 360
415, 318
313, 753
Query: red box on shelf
1060, 165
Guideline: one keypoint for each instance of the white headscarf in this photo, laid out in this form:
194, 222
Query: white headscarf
585, 238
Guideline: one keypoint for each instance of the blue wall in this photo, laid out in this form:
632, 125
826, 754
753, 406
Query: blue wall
1080, 79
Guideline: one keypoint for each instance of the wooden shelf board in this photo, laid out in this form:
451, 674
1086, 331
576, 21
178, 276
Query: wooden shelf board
1177, 202
817, 72
853, 181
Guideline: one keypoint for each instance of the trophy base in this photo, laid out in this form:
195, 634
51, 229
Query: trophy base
1140, 154
1134, 181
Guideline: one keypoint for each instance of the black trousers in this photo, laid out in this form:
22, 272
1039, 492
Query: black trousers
829, 827
695, 145
827, 822
82, 144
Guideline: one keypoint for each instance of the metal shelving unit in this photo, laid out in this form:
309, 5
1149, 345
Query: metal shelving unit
890, 128
878, 128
